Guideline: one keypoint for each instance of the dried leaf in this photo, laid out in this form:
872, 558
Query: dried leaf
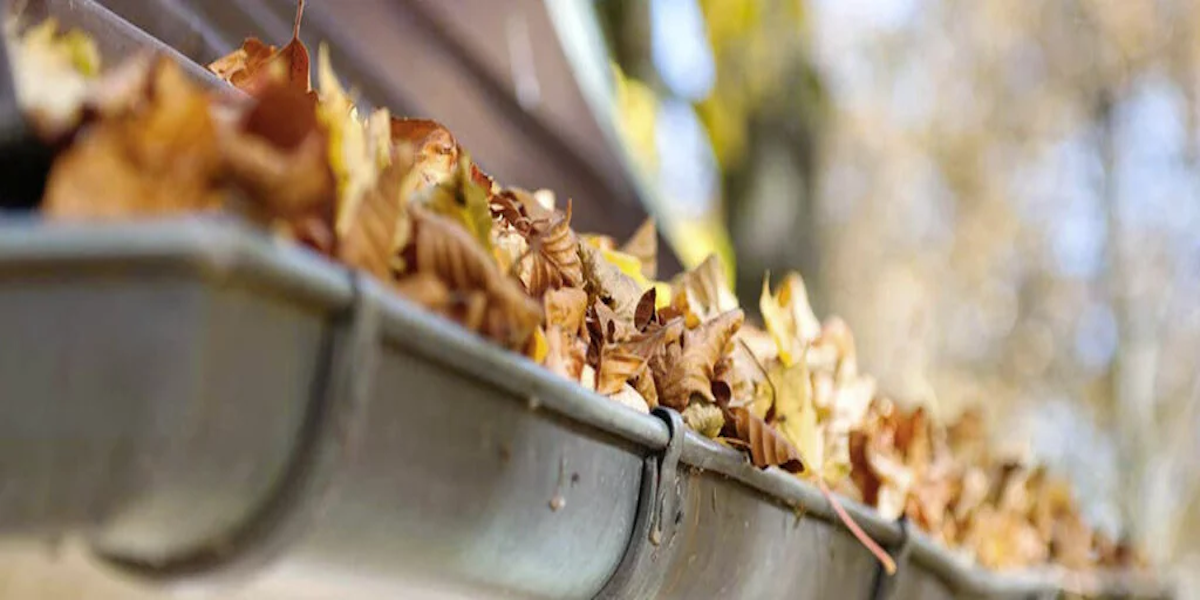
607, 282
566, 308
705, 419
702, 347
644, 384
566, 354
617, 367
441, 246
358, 153
630, 398
162, 158
606, 326
767, 447
459, 197
643, 245
789, 318
654, 342
376, 228
425, 289
429, 150
703, 292
556, 262
646, 310
287, 183
794, 415
256, 62
52, 73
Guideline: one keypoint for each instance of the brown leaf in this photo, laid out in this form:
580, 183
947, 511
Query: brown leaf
702, 348
653, 342
617, 366
565, 308
607, 326
282, 115
703, 292
607, 282
767, 447
643, 245
427, 148
377, 227
441, 246
556, 262
425, 289
161, 158
644, 384
565, 353
284, 184
256, 64
645, 313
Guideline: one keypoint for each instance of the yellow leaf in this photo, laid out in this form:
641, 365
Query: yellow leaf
538, 347
51, 73
795, 415
358, 150
788, 317
458, 197
628, 264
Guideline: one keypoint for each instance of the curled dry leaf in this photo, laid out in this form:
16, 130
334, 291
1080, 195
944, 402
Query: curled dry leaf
705, 419
556, 262
442, 247
702, 348
428, 149
767, 447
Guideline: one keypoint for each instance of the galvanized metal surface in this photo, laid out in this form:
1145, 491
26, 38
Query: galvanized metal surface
154, 378
461, 476
115, 38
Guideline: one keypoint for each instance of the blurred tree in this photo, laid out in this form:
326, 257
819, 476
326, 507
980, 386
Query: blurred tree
1010, 197
1000, 198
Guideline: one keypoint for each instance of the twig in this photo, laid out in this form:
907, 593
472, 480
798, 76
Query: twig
884, 558
299, 17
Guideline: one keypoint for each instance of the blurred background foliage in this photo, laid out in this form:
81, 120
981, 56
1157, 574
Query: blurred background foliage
1000, 197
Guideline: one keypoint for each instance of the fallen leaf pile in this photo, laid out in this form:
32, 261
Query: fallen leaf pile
402, 200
